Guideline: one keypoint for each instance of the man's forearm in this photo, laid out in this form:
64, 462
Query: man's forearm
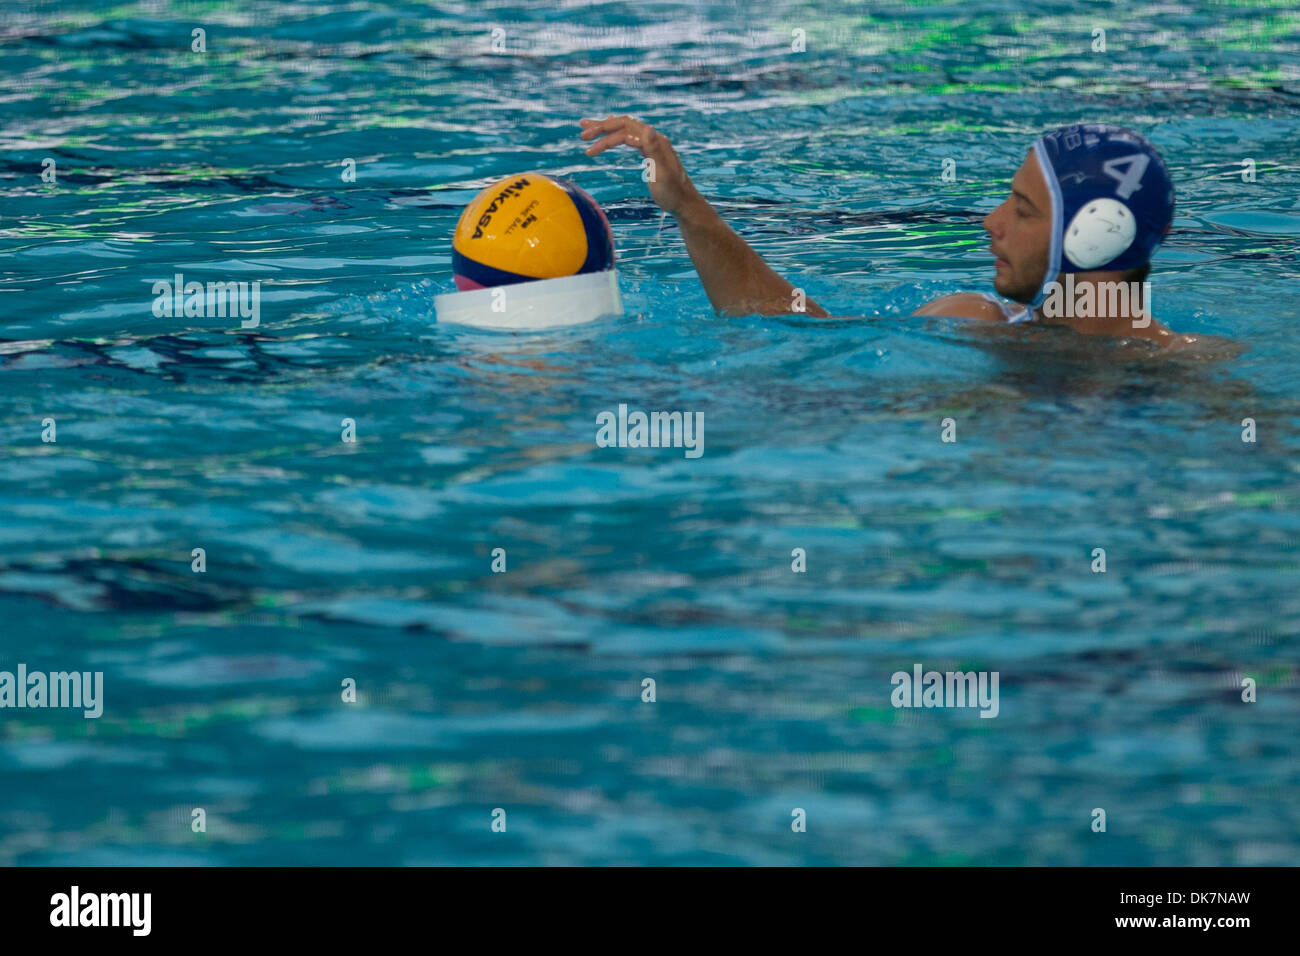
736, 279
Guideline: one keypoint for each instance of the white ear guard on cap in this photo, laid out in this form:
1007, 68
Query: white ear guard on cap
529, 306
1099, 233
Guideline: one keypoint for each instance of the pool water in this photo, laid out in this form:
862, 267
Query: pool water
372, 560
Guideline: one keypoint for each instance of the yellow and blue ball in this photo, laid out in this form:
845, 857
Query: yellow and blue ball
529, 227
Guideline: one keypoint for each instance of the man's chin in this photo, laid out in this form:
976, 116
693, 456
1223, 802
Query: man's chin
1009, 290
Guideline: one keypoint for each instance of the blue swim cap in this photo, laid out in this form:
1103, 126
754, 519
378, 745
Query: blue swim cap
1112, 199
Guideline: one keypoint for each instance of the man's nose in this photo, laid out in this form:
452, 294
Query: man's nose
990, 223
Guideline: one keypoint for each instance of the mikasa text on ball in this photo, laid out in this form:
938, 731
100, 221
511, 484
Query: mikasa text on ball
529, 227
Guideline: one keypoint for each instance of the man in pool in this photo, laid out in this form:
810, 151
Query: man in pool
1073, 240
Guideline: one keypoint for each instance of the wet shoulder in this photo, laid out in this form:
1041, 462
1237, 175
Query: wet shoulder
965, 305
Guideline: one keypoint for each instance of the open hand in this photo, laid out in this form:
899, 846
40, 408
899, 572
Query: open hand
670, 187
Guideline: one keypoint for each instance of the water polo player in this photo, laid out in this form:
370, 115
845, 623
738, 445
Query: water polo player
1088, 207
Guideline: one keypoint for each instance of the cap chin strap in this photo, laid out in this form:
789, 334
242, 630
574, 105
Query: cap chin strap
1025, 314
1053, 270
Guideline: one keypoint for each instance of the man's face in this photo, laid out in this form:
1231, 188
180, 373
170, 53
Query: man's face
1020, 233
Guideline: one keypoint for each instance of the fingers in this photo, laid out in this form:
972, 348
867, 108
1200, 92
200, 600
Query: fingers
631, 133
593, 127
621, 138
618, 131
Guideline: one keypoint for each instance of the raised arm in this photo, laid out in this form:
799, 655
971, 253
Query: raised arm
736, 279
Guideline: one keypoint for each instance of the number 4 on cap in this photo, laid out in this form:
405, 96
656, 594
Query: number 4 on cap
1130, 181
